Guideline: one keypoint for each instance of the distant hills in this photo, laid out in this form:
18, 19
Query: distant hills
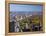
24, 13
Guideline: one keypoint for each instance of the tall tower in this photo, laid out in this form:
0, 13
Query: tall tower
16, 24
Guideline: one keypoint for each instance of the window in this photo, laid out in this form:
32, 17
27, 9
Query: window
24, 17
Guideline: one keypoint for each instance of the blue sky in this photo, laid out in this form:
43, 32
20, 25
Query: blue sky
27, 8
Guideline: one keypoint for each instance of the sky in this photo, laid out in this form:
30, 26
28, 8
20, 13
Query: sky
25, 8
